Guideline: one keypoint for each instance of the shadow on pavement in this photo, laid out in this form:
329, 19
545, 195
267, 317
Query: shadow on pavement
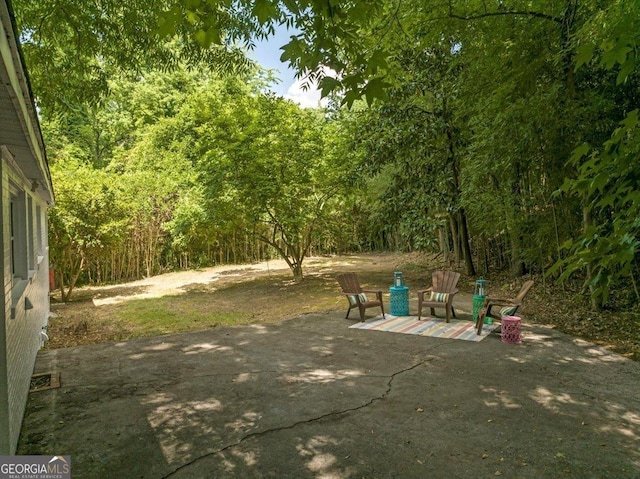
311, 398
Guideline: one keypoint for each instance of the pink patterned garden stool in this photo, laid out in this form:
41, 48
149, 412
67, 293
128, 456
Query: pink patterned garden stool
511, 326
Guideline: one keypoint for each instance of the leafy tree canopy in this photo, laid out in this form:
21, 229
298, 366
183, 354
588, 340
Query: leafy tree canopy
479, 112
74, 48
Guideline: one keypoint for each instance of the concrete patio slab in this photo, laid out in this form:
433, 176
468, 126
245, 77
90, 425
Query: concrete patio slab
311, 398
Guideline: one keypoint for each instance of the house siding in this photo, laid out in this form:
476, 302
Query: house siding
22, 326
5, 442
25, 191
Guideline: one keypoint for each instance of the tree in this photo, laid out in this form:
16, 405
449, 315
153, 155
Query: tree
608, 179
85, 219
416, 141
120, 175
74, 49
483, 98
265, 171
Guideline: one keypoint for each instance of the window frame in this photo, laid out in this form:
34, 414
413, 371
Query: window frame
18, 231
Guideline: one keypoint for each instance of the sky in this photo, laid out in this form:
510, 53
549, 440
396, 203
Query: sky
267, 53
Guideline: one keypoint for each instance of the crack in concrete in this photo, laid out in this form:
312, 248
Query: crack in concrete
166, 380
298, 423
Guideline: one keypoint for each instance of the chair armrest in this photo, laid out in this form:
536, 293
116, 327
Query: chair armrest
429, 289
377, 292
451, 295
502, 301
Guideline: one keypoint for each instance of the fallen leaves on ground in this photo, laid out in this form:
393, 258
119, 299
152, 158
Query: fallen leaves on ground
564, 307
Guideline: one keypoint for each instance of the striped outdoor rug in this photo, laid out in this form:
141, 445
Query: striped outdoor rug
437, 328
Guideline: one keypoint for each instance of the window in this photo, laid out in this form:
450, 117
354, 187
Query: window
18, 234
39, 229
31, 253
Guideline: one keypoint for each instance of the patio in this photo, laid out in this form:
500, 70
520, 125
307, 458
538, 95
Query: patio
311, 398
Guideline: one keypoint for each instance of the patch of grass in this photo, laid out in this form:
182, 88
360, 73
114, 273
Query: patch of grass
258, 296
170, 314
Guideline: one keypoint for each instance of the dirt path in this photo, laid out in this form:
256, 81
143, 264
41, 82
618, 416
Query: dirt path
220, 277
265, 292
221, 295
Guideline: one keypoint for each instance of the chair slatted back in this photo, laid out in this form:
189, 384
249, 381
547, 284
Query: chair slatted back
444, 281
349, 283
523, 292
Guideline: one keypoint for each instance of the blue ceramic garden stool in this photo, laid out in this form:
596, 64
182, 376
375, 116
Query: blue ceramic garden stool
399, 299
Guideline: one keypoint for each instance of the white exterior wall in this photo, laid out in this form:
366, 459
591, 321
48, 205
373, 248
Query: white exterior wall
5, 434
25, 191
22, 326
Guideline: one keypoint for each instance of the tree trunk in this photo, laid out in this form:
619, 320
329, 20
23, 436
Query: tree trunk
596, 301
453, 225
296, 269
466, 247
63, 296
444, 243
66, 295
514, 212
517, 265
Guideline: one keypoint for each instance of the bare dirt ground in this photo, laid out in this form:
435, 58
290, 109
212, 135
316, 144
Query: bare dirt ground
265, 292
262, 292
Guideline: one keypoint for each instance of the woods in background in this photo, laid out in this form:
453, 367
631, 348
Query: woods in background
502, 134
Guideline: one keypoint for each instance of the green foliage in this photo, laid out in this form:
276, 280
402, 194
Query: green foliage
119, 173
194, 169
263, 164
86, 219
73, 50
607, 176
610, 38
463, 116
